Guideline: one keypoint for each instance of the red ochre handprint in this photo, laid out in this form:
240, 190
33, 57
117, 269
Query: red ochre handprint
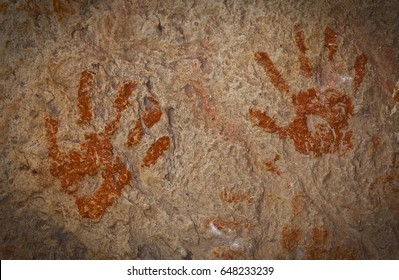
96, 153
330, 105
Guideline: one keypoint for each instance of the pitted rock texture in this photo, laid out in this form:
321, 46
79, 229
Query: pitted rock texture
199, 129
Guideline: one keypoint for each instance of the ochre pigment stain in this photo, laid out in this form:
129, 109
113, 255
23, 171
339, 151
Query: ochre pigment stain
271, 71
321, 120
223, 253
343, 253
84, 97
156, 150
262, 120
317, 245
135, 134
290, 238
152, 112
271, 166
319, 248
62, 9
297, 203
333, 107
360, 70
376, 142
235, 197
3, 7
316, 249
330, 42
306, 67
96, 154
222, 224
299, 38
115, 177
120, 104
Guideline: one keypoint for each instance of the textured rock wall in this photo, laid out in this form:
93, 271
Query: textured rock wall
199, 129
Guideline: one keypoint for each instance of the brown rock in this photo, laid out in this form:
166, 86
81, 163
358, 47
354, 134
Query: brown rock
199, 130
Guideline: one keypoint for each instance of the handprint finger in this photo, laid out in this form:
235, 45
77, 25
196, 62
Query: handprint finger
156, 150
299, 38
120, 103
360, 71
330, 42
86, 86
152, 112
135, 134
271, 71
51, 126
263, 121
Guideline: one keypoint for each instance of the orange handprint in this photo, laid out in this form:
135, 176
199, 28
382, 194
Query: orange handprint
96, 153
332, 107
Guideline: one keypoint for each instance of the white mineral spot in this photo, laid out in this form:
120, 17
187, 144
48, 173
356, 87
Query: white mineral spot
214, 229
183, 252
146, 207
235, 245
394, 110
346, 78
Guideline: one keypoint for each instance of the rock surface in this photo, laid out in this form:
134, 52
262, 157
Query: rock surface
199, 129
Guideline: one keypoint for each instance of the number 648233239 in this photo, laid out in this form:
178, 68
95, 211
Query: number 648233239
247, 271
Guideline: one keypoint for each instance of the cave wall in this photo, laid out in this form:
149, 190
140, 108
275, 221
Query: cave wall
199, 129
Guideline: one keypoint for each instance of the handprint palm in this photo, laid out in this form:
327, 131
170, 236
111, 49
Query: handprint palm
332, 106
